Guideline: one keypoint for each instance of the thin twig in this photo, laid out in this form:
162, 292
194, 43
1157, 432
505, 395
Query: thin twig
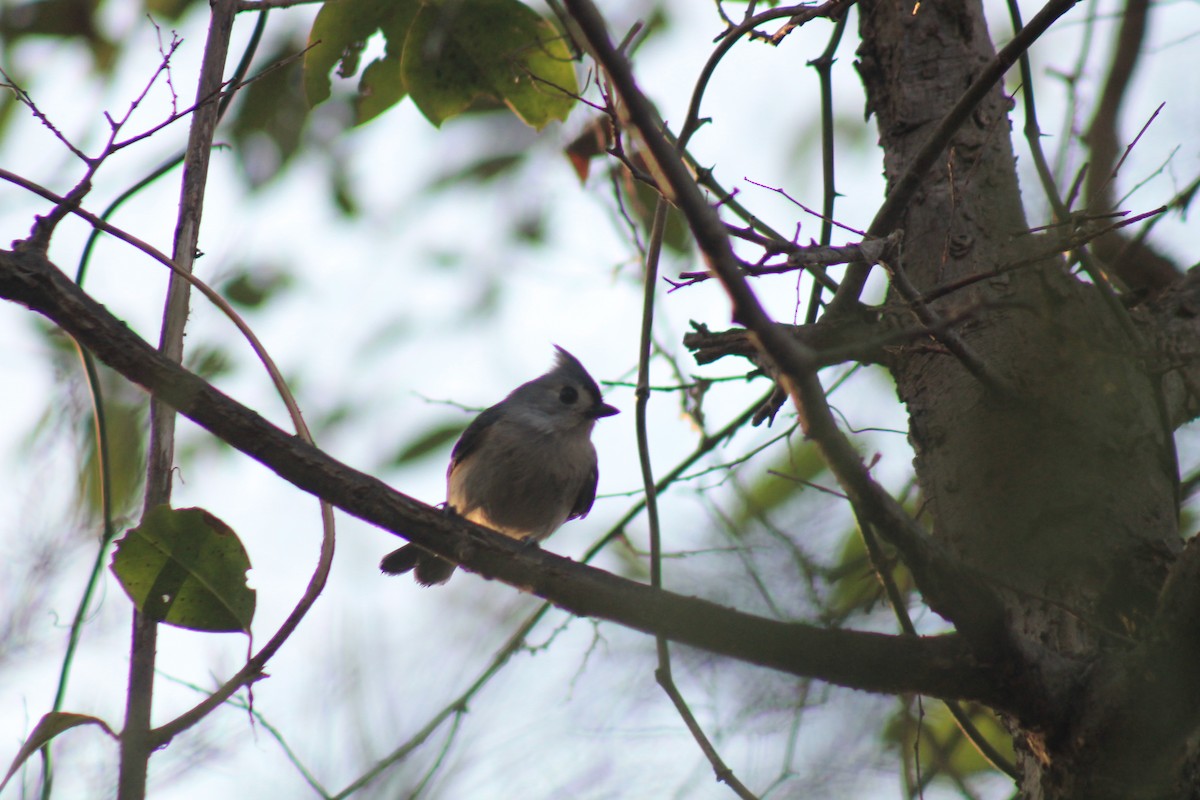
25, 98
805, 257
823, 64
663, 672
1112, 176
1101, 136
642, 395
825, 218
692, 122
1062, 211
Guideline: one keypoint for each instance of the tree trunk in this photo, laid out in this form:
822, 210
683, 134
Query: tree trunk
1063, 492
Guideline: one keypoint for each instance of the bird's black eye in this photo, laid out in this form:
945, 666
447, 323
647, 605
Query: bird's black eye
568, 394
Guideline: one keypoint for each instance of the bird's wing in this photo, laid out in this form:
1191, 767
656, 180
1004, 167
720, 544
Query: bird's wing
586, 496
472, 437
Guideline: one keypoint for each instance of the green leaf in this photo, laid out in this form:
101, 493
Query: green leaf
449, 56
427, 443
338, 34
381, 87
677, 236
49, 726
253, 285
186, 568
947, 751
61, 19
169, 9
382, 84
856, 588
125, 424
273, 111
208, 361
800, 461
478, 50
486, 169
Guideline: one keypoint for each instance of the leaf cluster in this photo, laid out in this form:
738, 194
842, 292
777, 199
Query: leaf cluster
450, 57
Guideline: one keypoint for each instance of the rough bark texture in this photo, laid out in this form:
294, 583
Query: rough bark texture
1065, 495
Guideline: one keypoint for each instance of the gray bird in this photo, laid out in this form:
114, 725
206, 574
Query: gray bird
523, 467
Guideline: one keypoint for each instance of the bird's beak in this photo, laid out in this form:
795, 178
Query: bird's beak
603, 410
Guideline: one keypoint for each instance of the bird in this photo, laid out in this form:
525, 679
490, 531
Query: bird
522, 467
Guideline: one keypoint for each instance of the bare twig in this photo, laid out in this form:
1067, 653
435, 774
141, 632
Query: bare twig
266, 5
806, 257
642, 393
164, 68
1139, 266
24, 98
823, 64
692, 122
663, 673
1112, 176
825, 218
1101, 136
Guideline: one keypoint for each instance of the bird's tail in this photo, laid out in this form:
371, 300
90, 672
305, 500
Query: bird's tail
430, 570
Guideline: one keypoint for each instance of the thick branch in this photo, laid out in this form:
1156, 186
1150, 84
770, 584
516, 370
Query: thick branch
939, 666
850, 337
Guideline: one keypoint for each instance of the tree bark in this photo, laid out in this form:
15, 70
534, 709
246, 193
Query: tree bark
1063, 495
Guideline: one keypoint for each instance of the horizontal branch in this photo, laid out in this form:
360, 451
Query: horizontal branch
860, 336
936, 666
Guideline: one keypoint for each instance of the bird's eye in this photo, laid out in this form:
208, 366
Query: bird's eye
568, 394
